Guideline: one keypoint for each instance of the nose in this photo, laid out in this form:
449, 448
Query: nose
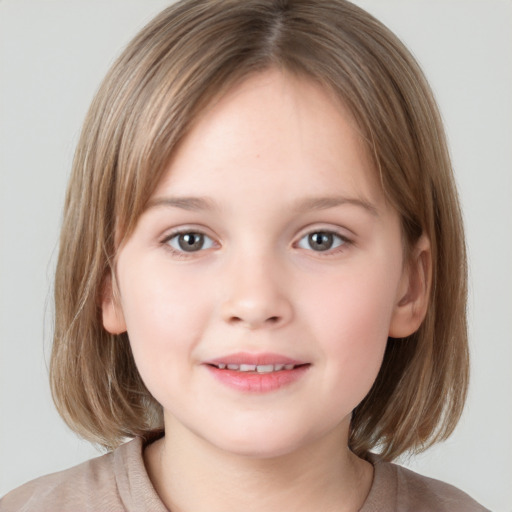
258, 295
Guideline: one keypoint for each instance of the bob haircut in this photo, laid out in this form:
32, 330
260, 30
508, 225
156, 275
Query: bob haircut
189, 55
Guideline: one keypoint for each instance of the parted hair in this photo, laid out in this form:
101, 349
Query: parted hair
191, 53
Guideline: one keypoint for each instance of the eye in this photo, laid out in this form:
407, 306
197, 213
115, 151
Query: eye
321, 241
189, 241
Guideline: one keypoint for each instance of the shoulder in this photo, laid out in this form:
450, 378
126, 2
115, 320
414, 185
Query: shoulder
404, 490
107, 483
59, 491
433, 494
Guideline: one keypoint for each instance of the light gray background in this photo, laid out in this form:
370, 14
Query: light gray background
53, 54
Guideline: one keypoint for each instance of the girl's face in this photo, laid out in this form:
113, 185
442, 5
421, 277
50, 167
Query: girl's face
263, 279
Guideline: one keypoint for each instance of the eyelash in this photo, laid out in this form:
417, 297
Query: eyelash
343, 244
181, 253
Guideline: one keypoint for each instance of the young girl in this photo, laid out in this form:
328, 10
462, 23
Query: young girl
261, 278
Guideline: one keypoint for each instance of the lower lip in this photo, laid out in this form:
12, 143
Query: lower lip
253, 382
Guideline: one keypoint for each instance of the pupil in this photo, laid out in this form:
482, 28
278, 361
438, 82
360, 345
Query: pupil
191, 241
321, 241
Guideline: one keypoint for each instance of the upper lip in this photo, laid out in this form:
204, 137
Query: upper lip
255, 359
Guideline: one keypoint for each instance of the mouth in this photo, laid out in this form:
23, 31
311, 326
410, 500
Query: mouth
257, 373
257, 368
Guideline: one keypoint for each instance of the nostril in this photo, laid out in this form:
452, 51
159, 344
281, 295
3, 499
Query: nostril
252, 323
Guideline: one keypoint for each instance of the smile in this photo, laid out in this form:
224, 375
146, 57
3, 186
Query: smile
257, 373
258, 368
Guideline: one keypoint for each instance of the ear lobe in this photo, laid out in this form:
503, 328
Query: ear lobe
112, 313
414, 291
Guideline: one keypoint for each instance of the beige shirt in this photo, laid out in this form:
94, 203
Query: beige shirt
118, 482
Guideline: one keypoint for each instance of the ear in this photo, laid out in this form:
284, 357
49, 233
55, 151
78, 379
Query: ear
414, 291
112, 312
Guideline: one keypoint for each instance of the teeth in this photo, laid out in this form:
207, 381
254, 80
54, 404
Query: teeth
260, 368
265, 368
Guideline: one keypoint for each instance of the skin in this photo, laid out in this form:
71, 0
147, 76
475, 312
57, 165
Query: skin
259, 159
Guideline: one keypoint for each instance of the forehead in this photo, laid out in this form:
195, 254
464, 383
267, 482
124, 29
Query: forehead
273, 131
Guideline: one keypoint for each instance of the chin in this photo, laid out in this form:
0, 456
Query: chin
260, 444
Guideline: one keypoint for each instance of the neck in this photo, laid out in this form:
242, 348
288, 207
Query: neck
191, 475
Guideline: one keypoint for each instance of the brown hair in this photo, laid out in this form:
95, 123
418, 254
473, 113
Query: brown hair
189, 54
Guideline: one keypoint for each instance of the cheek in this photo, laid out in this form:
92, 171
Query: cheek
357, 302
159, 301
352, 326
165, 315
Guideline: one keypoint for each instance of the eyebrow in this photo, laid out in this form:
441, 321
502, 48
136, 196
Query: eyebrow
185, 203
323, 203
310, 203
